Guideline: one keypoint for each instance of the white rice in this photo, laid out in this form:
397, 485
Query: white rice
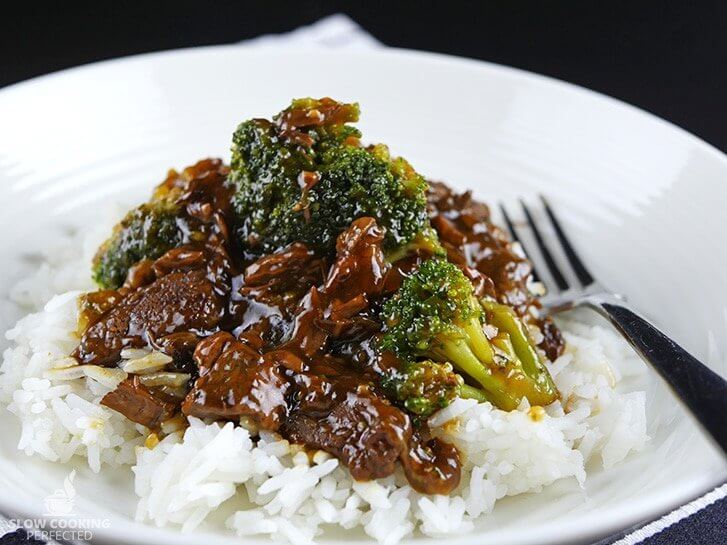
274, 488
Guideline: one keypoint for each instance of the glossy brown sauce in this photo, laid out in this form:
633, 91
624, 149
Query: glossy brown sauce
284, 341
484, 252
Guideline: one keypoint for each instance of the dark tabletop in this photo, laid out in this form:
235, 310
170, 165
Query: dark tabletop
668, 57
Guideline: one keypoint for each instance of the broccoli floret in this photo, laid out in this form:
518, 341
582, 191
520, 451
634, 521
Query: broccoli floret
304, 178
423, 387
145, 233
159, 225
436, 315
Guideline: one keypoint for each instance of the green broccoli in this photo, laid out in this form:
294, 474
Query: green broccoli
436, 315
423, 387
304, 178
145, 233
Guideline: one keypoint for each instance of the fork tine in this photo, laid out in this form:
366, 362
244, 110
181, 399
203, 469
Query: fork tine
547, 256
513, 234
584, 277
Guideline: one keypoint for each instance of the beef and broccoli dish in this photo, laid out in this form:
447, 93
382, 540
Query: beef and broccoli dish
321, 288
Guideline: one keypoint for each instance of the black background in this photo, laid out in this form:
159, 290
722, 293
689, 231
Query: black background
668, 57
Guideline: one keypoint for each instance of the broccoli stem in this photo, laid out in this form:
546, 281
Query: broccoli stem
470, 392
479, 343
541, 389
461, 356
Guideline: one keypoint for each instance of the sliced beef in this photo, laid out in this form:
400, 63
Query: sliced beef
361, 429
360, 266
200, 188
272, 287
180, 347
432, 466
182, 301
339, 411
337, 308
236, 381
94, 304
294, 268
141, 404
553, 342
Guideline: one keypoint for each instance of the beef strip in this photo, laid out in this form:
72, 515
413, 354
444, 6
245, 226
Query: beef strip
236, 381
180, 347
553, 342
361, 429
432, 466
272, 287
337, 308
201, 188
182, 301
141, 404
340, 411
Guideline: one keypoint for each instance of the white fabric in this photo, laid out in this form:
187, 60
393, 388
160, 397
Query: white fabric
340, 32
335, 31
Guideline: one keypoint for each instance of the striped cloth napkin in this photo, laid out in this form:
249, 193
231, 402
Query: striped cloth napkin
700, 522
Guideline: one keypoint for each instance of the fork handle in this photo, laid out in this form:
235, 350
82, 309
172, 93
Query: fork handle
702, 390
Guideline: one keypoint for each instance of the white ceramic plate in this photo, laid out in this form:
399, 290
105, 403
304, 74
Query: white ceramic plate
644, 200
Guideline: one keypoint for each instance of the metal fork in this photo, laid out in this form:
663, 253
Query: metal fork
701, 390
